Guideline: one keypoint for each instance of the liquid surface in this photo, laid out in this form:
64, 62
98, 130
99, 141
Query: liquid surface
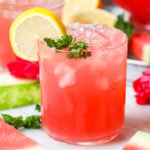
97, 36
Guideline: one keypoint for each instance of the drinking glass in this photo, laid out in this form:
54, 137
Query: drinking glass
83, 99
9, 10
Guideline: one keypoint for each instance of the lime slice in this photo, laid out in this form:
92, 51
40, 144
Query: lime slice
74, 6
93, 16
29, 27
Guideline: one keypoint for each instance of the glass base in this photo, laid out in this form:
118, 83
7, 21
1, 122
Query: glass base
95, 141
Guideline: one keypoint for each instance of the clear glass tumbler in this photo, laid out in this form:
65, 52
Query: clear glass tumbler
83, 100
9, 10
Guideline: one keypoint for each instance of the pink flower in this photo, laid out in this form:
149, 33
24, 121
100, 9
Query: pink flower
142, 88
24, 69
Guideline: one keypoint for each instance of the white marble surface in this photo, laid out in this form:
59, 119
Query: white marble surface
137, 118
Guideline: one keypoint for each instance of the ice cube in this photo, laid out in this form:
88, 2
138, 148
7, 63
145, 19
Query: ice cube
66, 75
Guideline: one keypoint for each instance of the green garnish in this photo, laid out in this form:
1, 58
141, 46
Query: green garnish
17, 122
126, 26
33, 121
38, 107
75, 49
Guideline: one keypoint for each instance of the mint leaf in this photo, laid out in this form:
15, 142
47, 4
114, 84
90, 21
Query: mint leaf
38, 107
17, 122
126, 26
75, 49
33, 121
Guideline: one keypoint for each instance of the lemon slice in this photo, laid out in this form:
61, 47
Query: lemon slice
29, 27
93, 16
74, 6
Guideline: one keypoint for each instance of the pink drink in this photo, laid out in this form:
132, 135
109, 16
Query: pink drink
83, 99
6, 54
9, 10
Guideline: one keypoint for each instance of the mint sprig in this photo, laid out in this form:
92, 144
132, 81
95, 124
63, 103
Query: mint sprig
33, 121
126, 26
38, 107
76, 49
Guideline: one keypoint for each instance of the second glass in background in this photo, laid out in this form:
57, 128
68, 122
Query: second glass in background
9, 10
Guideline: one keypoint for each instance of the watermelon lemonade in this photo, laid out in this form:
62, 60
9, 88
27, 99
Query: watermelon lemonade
83, 99
9, 10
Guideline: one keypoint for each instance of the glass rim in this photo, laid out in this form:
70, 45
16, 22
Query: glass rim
10, 5
94, 50
106, 48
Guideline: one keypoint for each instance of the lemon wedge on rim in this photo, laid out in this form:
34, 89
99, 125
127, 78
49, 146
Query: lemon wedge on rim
33, 25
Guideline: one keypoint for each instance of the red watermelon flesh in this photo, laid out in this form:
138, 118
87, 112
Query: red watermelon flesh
140, 141
140, 45
12, 139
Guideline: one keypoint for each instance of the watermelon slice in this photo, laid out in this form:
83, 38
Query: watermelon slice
140, 46
140, 141
16, 92
12, 139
